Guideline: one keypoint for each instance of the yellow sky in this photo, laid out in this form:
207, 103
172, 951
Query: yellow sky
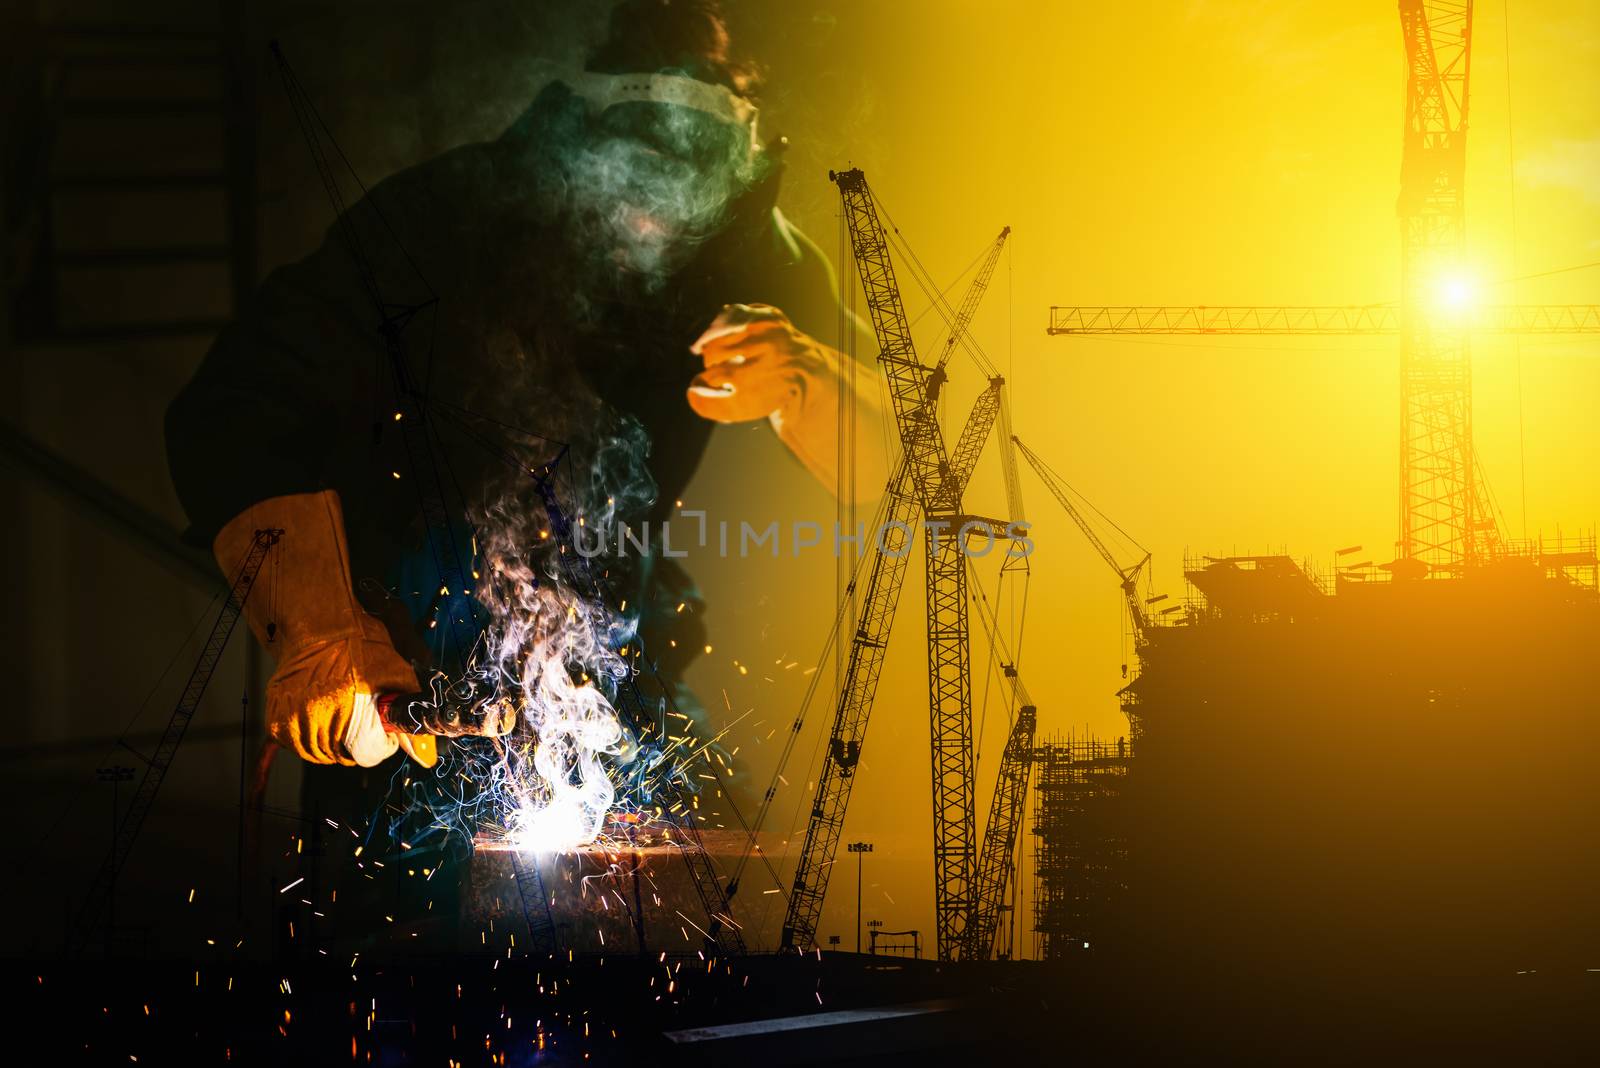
1210, 154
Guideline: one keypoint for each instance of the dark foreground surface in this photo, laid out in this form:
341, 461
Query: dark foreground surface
838, 1008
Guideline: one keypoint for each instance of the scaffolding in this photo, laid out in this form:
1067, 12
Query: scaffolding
1275, 588
1572, 560
1080, 843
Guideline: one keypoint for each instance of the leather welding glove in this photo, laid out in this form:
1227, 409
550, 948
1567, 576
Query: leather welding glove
760, 365
334, 659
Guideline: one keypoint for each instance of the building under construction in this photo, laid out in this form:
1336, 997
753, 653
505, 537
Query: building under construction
1080, 843
1360, 770
1383, 767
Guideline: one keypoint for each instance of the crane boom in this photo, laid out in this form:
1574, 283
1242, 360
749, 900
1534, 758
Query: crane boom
969, 304
910, 395
849, 728
970, 445
1315, 319
98, 898
997, 858
995, 861
981, 419
1008, 461
1128, 576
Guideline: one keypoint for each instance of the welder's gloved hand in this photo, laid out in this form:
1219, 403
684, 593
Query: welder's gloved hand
760, 365
334, 659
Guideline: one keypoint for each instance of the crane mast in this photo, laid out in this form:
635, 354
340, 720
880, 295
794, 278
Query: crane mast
1445, 518
969, 303
916, 390
950, 713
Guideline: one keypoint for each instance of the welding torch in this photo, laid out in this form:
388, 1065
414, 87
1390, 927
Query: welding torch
425, 713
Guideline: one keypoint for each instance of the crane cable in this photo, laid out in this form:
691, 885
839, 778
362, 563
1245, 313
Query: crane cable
997, 643
813, 762
1051, 475
937, 303
1516, 341
996, 647
805, 704
924, 279
843, 593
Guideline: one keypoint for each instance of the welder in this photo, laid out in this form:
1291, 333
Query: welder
615, 254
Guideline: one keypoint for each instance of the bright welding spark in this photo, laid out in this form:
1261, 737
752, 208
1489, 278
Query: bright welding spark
562, 795
556, 656
549, 648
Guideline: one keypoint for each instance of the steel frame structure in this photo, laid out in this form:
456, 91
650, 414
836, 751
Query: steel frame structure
1080, 842
1445, 516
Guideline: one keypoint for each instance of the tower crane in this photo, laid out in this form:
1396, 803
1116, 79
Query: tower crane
1447, 523
926, 483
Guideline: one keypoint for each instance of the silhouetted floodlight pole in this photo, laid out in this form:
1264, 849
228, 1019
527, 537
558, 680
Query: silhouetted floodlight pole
116, 775
858, 848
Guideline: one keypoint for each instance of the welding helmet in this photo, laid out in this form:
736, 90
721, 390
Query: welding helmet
701, 123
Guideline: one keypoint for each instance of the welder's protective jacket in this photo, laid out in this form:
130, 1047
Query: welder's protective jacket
298, 394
